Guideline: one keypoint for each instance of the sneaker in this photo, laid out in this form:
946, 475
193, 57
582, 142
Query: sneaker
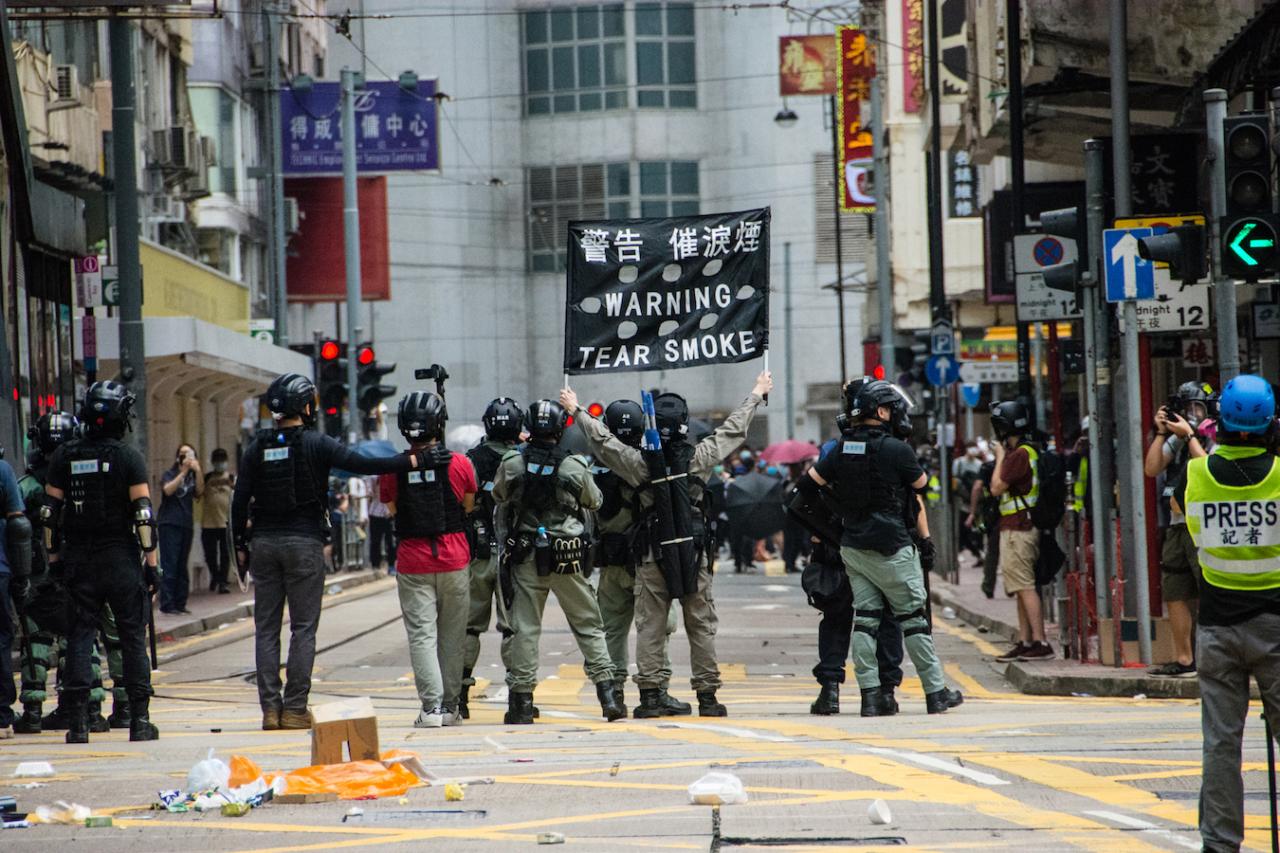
451, 718
1037, 651
432, 719
6, 732
1015, 653
1173, 669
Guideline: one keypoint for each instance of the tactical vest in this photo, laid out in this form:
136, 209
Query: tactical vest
618, 494
426, 506
1235, 528
860, 487
1011, 504
541, 477
97, 501
283, 481
481, 534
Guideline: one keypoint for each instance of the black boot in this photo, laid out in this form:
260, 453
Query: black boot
77, 717
708, 706
671, 706
519, 709
464, 711
29, 722
609, 705
97, 723
888, 704
140, 727
650, 706
620, 691
873, 704
828, 701
943, 700
120, 714
56, 720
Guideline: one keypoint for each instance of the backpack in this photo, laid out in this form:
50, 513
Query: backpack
1051, 505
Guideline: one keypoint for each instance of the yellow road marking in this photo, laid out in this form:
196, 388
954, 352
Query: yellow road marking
973, 639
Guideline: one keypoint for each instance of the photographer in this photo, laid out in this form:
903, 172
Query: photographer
1174, 443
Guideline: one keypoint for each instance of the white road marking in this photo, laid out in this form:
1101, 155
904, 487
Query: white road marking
733, 731
939, 764
1147, 827
775, 587
763, 607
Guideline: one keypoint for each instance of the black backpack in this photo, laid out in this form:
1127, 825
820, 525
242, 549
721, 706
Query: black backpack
1051, 505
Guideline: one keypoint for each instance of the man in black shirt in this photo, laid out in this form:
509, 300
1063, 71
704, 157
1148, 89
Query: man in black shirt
284, 475
873, 476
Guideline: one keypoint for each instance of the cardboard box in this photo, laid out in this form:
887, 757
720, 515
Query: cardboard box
351, 723
1161, 641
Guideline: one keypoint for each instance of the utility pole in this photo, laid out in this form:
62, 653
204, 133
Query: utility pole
351, 244
1121, 157
836, 162
280, 298
884, 266
1017, 171
1224, 289
1097, 333
788, 391
937, 290
133, 353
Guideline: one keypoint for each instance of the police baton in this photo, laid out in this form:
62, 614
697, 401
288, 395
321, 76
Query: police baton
1271, 782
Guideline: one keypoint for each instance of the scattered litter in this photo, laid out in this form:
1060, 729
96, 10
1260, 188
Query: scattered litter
497, 747
1083, 695
717, 789
93, 822
948, 612
33, 768
983, 629
208, 774
404, 801
61, 812
878, 812
551, 838
404, 679
224, 625
8, 805
355, 811
235, 809
31, 785
613, 771
215, 731
16, 824
521, 760
1140, 696
454, 793
333, 589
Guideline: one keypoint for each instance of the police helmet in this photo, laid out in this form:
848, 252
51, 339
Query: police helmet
52, 429
1010, 418
421, 416
869, 396
290, 394
625, 419
546, 420
503, 419
672, 414
108, 407
1248, 405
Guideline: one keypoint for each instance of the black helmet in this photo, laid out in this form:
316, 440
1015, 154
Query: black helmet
672, 413
52, 429
625, 419
867, 398
1010, 418
108, 407
503, 419
1195, 392
546, 420
421, 416
290, 394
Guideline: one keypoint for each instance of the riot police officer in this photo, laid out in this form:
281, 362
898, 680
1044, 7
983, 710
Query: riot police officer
503, 420
96, 515
623, 545
283, 484
546, 495
874, 475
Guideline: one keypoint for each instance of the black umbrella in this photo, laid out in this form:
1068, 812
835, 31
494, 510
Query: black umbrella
753, 503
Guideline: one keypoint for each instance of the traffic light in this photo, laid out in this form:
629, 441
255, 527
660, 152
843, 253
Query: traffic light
370, 371
332, 379
1247, 164
1249, 246
1181, 247
1063, 222
596, 409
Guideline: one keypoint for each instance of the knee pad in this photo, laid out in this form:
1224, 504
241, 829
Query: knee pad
868, 621
913, 623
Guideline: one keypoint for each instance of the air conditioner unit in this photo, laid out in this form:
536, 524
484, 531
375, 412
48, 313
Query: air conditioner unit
179, 147
161, 151
66, 84
164, 208
257, 59
209, 149
292, 216
196, 186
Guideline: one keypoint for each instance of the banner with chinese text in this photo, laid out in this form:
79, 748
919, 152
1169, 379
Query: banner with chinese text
912, 55
396, 128
807, 65
856, 69
660, 294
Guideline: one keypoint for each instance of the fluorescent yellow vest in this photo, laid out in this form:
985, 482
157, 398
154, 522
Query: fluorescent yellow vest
1011, 504
1235, 528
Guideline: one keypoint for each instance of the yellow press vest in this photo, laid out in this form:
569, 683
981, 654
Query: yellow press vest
934, 494
1081, 486
1236, 528
1011, 504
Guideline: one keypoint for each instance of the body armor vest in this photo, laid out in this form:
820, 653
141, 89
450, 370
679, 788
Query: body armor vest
481, 533
426, 506
618, 494
97, 501
859, 484
541, 476
283, 481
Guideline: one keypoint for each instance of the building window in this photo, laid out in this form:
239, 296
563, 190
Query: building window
669, 189
561, 194
575, 59
665, 75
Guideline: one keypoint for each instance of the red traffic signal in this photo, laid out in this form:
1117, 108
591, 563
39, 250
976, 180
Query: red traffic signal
365, 355
878, 372
329, 350
595, 410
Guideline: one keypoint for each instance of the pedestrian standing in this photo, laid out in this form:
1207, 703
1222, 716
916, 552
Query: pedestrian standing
96, 515
283, 487
181, 485
1231, 501
546, 495
795, 539
429, 507
215, 513
15, 579
382, 537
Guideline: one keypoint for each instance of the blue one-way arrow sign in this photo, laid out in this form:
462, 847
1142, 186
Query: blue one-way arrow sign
942, 370
1128, 276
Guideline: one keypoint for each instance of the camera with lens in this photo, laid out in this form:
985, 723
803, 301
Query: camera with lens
1176, 405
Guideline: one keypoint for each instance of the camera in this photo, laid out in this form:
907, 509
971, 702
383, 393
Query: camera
435, 371
1176, 405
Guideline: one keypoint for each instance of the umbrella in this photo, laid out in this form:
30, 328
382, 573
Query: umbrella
789, 452
753, 503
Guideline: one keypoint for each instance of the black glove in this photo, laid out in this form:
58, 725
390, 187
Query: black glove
927, 553
19, 587
435, 457
152, 578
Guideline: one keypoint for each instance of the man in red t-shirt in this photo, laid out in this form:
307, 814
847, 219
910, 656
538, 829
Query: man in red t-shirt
428, 506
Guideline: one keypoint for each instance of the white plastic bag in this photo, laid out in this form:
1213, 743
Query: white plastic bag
717, 789
211, 774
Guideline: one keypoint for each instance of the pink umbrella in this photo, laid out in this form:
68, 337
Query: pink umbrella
789, 452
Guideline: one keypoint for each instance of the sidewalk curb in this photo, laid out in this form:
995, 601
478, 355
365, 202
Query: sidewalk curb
978, 620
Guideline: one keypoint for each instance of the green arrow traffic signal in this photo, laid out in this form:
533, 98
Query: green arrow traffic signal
1249, 247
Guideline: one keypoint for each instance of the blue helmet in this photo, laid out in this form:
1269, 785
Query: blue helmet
1248, 404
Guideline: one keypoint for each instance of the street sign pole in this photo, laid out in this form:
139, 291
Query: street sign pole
1224, 289
1136, 518
1097, 335
351, 238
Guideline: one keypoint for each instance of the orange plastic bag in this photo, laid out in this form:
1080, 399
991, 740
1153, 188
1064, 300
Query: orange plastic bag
243, 771
353, 780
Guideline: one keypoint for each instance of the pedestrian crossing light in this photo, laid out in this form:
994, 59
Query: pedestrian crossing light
1249, 246
332, 379
371, 391
1247, 164
1181, 247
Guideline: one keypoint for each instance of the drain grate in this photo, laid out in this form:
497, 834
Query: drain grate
416, 816
880, 841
